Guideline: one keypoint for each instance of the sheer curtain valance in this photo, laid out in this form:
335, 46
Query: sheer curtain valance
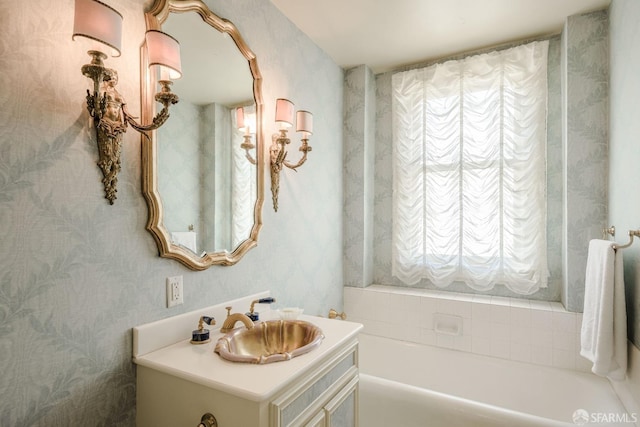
469, 163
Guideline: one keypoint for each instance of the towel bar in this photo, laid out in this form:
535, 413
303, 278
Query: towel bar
612, 231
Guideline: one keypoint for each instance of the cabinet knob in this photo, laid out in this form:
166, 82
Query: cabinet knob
208, 420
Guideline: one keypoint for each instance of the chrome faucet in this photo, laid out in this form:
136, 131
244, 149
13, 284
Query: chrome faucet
230, 321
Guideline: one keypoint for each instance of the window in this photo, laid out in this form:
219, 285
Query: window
469, 164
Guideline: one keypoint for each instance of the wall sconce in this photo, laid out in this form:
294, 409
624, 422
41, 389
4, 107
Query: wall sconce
278, 154
246, 122
102, 25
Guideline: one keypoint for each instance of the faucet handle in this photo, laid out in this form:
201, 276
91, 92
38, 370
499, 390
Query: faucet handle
201, 335
228, 310
255, 316
268, 300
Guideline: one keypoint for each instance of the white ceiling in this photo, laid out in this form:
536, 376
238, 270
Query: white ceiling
386, 34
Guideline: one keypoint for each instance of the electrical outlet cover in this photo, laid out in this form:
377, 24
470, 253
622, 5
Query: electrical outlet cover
174, 291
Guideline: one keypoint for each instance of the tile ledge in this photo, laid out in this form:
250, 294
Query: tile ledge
538, 305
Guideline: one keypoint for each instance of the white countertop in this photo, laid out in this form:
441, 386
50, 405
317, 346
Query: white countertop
200, 364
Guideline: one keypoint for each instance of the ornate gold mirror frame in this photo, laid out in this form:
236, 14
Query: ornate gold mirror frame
158, 14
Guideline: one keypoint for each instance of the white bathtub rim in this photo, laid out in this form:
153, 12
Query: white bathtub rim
549, 417
478, 408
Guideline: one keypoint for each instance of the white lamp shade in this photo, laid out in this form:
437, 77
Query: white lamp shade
240, 118
284, 112
304, 122
164, 51
100, 22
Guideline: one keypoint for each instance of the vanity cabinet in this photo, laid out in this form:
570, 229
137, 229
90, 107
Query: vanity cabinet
325, 396
177, 384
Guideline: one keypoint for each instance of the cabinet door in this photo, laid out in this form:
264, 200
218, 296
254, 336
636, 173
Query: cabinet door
303, 401
318, 421
342, 410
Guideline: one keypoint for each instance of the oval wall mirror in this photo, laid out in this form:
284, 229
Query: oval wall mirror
202, 176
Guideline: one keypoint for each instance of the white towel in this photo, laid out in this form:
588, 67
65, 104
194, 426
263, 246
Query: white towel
604, 325
184, 238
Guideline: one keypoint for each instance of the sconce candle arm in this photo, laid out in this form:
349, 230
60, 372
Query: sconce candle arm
280, 160
157, 121
246, 146
305, 148
166, 98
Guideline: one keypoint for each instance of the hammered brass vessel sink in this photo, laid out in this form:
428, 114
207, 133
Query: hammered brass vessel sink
270, 341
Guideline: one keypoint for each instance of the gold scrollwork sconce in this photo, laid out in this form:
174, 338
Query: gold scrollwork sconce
100, 23
277, 151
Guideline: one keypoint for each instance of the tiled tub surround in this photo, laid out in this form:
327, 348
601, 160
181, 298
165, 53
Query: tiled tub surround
538, 332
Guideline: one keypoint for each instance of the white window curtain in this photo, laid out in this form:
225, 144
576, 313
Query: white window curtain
469, 170
244, 187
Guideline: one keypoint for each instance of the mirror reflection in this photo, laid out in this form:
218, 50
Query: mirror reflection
208, 187
203, 187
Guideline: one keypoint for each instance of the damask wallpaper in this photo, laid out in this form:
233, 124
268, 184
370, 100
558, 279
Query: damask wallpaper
359, 186
76, 274
180, 141
585, 73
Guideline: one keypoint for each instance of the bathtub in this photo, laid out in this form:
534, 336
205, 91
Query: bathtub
404, 384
